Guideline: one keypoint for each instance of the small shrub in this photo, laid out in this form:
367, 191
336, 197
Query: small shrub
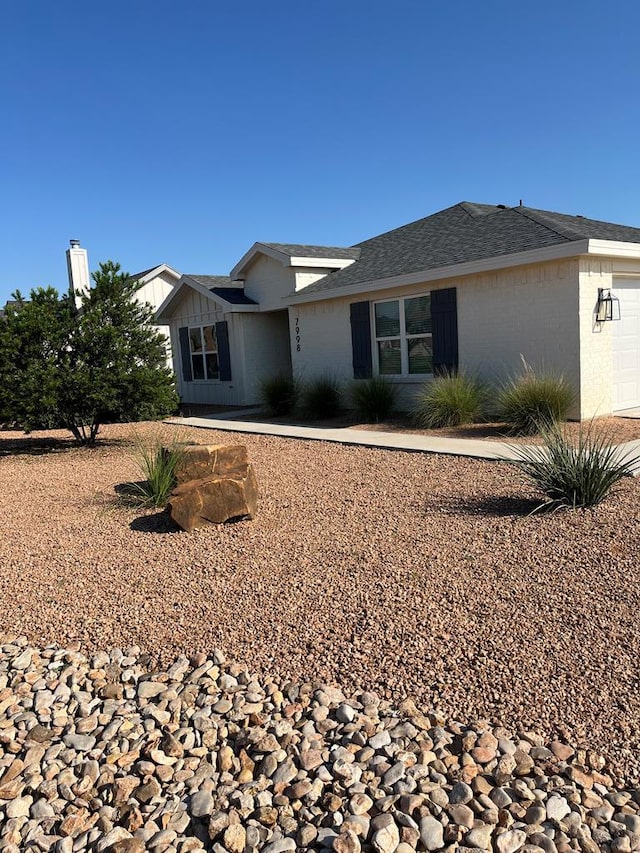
528, 401
573, 474
279, 394
373, 399
450, 400
320, 398
158, 465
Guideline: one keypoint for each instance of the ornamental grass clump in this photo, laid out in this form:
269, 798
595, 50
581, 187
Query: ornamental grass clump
573, 473
320, 398
158, 465
373, 400
449, 400
528, 401
279, 395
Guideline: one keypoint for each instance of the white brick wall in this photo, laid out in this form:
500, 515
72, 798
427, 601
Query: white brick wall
528, 311
266, 349
595, 340
268, 282
321, 339
543, 313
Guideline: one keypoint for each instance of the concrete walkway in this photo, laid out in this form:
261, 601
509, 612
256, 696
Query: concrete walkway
367, 438
411, 442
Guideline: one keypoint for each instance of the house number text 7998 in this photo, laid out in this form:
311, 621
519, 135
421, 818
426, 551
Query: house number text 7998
297, 334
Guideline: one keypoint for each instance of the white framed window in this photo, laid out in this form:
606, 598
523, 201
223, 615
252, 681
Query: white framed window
203, 347
403, 336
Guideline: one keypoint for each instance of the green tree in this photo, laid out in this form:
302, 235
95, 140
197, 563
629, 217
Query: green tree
79, 369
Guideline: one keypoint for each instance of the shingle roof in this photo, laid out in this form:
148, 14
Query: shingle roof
304, 251
210, 281
220, 285
466, 232
233, 295
138, 275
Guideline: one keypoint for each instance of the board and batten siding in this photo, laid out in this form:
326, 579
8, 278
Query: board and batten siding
196, 310
154, 293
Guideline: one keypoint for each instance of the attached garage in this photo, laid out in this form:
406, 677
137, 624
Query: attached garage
625, 345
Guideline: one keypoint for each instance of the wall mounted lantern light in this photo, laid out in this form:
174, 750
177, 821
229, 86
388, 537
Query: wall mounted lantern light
608, 307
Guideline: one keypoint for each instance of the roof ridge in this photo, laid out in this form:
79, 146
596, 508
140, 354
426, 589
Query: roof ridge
567, 233
314, 245
478, 208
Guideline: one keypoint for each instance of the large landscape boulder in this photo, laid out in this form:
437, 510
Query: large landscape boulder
215, 483
203, 460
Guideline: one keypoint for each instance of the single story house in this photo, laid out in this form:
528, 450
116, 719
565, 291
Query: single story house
474, 286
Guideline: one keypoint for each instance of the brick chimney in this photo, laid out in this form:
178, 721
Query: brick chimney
78, 267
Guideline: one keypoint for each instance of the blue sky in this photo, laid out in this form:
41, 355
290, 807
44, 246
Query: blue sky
160, 131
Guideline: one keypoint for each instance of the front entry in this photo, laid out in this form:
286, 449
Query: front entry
626, 345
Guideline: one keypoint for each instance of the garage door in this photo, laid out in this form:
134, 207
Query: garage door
626, 345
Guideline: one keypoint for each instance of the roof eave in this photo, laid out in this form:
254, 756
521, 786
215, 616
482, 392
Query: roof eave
248, 257
321, 263
156, 271
614, 249
286, 260
531, 256
164, 313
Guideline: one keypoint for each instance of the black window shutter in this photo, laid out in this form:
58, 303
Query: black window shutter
444, 319
185, 353
361, 340
224, 353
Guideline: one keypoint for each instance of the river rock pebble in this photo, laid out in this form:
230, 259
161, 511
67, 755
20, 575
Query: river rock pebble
207, 756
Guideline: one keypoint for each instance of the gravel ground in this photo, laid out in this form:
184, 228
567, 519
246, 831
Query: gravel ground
100, 754
408, 574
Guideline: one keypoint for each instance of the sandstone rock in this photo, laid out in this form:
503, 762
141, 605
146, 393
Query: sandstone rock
228, 492
347, 842
235, 838
127, 845
360, 804
198, 461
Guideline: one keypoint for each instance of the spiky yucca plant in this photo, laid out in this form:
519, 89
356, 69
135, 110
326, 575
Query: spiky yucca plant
574, 473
